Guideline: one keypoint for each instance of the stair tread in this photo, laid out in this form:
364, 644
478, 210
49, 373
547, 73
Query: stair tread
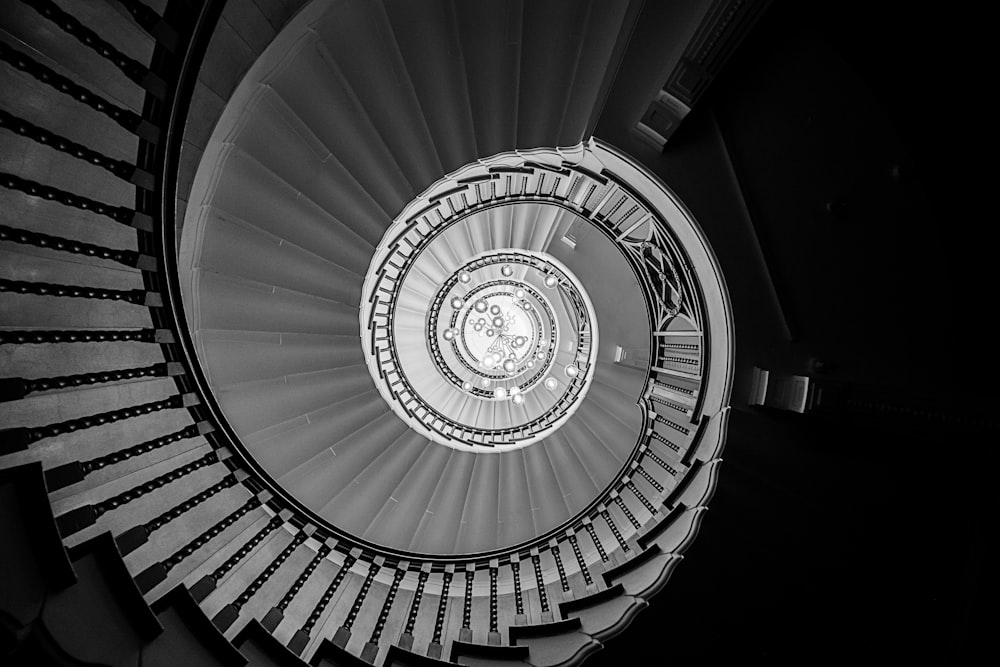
179, 613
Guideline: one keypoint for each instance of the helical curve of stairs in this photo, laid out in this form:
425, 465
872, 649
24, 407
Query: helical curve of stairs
199, 453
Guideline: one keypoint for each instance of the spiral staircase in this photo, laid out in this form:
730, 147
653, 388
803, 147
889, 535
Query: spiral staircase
229, 434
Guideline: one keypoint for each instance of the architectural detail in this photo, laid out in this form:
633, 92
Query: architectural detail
163, 421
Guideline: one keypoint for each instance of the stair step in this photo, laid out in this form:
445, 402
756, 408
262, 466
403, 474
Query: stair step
190, 633
499, 654
605, 613
400, 657
330, 654
557, 643
263, 649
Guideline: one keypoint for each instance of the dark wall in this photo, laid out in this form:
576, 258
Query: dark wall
846, 131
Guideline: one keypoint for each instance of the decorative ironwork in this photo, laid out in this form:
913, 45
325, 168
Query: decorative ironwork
188, 550
136, 296
126, 257
120, 168
359, 600
123, 455
268, 571
127, 119
120, 214
272, 525
51, 336
300, 580
136, 492
36, 433
71, 26
328, 594
383, 615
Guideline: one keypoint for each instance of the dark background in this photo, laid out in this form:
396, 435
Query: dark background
843, 538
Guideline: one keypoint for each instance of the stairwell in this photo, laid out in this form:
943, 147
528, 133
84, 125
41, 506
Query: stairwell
137, 527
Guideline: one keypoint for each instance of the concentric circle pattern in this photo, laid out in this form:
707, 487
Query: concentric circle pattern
359, 400
512, 332
530, 332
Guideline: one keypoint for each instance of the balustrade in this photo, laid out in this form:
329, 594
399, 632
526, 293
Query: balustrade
127, 257
608, 203
129, 120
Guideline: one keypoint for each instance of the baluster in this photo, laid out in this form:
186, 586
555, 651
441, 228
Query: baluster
12, 389
435, 647
152, 23
670, 445
123, 170
126, 257
370, 650
515, 566
133, 538
670, 404
616, 497
608, 519
543, 597
277, 612
493, 638
673, 387
228, 614
52, 336
71, 26
207, 584
406, 637
15, 439
465, 632
157, 572
77, 519
578, 554
645, 474
658, 461
630, 485
137, 296
127, 119
298, 642
563, 580
673, 425
589, 525
71, 473
119, 214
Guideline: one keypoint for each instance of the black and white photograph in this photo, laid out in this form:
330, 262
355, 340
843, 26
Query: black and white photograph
499, 333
